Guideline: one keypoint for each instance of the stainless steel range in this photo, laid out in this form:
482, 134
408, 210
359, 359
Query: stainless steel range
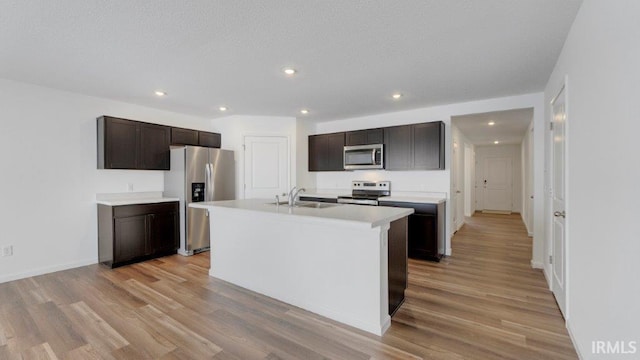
366, 192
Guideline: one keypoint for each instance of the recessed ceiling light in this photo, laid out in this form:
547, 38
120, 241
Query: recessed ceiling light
289, 71
496, 142
304, 111
222, 108
396, 96
491, 123
160, 93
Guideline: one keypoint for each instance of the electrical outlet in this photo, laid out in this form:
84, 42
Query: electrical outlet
129, 187
7, 250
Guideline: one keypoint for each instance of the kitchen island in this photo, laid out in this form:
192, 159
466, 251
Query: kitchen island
337, 261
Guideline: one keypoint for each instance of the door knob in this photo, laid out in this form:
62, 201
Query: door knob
559, 214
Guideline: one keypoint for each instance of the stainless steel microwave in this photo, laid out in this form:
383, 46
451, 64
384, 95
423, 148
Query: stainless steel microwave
364, 157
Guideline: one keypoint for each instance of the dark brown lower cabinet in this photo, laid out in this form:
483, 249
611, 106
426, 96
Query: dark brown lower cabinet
426, 229
132, 233
129, 238
397, 263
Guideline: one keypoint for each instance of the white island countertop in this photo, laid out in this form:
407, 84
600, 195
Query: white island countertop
333, 260
368, 216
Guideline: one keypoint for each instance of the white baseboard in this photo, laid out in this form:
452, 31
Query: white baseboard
537, 265
447, 252
47, 270
497, 212
573, 340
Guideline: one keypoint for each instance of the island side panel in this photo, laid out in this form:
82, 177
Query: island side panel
329, 268
397, 263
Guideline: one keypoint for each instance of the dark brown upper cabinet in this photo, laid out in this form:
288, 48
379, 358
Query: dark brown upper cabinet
428, 146
117, 143
154, 147
128, 144
365, 137
398, 148
208, 139
181, 136
326, 152
415, 147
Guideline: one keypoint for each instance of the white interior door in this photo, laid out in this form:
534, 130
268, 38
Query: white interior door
266, 166
558, 233
498, 184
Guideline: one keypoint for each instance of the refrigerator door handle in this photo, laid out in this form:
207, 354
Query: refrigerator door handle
207, 182
212, 185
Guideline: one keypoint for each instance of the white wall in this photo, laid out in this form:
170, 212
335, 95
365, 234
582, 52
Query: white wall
600, 58
439, 181
460, 140
49, 178
235, 128
304, 178
510, 151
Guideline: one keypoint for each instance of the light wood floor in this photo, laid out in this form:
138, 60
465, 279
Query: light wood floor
485, 302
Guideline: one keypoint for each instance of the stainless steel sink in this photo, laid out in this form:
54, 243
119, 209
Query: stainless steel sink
316, 205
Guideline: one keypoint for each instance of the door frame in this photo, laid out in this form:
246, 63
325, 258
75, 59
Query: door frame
244, 154
563, 86
469, 180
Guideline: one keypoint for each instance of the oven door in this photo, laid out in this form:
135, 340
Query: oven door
363, 157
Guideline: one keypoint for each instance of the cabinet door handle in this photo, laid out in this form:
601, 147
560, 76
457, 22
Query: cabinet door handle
561, 214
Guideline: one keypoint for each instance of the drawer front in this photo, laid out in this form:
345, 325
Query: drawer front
144, 209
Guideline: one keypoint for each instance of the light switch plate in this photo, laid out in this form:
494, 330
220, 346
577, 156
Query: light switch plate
7, 250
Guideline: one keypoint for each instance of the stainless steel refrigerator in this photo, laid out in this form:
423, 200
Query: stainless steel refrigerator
198, 174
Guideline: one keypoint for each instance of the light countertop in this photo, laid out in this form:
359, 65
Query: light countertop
413, 199
370, 216
133, 198
121, 202
398, 196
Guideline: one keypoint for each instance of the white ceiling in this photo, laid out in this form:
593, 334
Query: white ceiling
351, 54
510, 126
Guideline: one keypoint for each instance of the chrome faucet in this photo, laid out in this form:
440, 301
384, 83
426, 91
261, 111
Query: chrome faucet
293, 194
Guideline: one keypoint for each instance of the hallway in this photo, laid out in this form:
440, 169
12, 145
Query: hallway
485, 301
